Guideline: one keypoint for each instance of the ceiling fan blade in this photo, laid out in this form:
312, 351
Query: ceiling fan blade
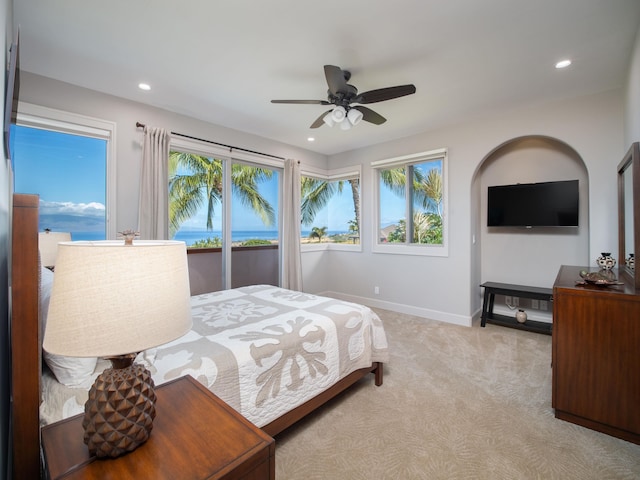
382, 94
370, 116
303, 102
319, 121
335, 79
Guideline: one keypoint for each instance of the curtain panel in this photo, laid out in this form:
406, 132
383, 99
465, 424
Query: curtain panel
291, 228
153, 213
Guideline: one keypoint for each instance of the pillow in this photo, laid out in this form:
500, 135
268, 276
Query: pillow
70, 371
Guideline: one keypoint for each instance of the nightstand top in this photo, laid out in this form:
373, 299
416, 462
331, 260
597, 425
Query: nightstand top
195, 436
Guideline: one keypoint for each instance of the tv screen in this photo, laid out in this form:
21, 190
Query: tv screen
547, 204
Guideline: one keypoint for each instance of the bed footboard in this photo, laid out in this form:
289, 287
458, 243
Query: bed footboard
288, 419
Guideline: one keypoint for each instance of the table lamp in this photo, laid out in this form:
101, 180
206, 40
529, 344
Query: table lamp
48, 246
111, 299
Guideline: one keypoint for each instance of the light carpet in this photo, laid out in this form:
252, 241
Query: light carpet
457, 403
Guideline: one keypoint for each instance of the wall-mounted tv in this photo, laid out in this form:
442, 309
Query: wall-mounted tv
546, 204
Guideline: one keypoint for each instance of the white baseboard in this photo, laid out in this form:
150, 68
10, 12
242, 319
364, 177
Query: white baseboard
462, 320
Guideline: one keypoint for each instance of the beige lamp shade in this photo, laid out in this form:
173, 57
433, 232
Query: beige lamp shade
112, 299
48, 246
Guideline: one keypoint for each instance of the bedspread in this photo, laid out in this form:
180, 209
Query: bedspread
262, 349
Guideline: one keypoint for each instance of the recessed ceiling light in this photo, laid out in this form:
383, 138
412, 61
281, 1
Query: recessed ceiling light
563, 63
311, 139
144, 86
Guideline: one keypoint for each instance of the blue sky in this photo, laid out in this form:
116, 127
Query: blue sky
68, 172
335, 216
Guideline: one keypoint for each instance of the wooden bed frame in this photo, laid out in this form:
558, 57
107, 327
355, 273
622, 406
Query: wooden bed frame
26, 347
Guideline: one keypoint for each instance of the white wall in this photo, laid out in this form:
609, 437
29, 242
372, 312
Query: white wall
50, 93
447, 288
509, 255
440, 288
632, 97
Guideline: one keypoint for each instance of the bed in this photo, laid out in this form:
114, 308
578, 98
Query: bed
272, 354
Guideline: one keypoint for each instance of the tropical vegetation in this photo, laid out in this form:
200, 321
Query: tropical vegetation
195, 181
209, 242
316, 194
318, 232
202, 185
427, 195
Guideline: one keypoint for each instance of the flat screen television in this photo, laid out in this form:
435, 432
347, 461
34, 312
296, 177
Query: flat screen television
546, 204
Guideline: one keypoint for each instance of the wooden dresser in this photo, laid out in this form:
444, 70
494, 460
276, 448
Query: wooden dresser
596, 355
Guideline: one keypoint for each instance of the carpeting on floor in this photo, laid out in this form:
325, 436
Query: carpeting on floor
457, 403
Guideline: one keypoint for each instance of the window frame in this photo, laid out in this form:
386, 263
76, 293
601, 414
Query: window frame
228, 157
411, 248
334, 175
44, 118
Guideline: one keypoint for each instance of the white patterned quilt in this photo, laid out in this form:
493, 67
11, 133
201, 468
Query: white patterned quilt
262, 349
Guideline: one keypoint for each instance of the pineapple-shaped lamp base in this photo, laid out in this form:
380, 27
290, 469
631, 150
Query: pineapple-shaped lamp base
119, 413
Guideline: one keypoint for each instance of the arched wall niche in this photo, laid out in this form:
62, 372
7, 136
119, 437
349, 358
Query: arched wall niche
527, 256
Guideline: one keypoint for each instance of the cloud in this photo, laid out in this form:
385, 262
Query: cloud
92, 209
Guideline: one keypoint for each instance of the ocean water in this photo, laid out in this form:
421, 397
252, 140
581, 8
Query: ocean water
192, 236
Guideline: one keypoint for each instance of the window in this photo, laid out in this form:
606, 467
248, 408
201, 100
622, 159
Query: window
197, 197
227, 211
411, 198
330, 210
64, 158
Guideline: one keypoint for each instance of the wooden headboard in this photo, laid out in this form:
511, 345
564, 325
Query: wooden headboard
25, 339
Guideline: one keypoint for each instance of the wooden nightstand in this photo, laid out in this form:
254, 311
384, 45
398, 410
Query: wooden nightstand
195, 436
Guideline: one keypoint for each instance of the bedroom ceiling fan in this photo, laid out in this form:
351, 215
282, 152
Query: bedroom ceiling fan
342, 95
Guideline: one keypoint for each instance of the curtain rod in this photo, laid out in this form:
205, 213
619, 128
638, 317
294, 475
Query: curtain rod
230, 147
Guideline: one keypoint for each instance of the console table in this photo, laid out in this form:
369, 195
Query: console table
520, 291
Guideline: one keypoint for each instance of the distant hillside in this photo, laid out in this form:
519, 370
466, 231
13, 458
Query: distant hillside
71, 223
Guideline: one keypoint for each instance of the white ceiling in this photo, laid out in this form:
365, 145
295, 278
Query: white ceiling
223, 61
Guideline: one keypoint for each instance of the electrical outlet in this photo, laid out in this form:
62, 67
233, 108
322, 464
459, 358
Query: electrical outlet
376, 290
515, 302
507, 300
543, 305
535, 304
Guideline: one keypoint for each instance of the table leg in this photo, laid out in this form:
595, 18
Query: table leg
485, 306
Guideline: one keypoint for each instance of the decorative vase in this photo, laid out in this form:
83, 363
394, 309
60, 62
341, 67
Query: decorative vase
605, 261
631, 262
521, 316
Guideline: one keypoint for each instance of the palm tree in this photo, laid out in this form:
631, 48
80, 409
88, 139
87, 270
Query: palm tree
318, 232
316, 193
432, 189
427, 191
203, 185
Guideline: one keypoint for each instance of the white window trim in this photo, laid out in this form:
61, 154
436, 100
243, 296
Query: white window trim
334, 175
44, 118
411, 249
229, 156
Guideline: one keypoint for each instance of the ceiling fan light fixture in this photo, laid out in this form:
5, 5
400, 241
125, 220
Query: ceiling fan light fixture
342, 95
354, 116
338, 114
346, 125
328, 119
